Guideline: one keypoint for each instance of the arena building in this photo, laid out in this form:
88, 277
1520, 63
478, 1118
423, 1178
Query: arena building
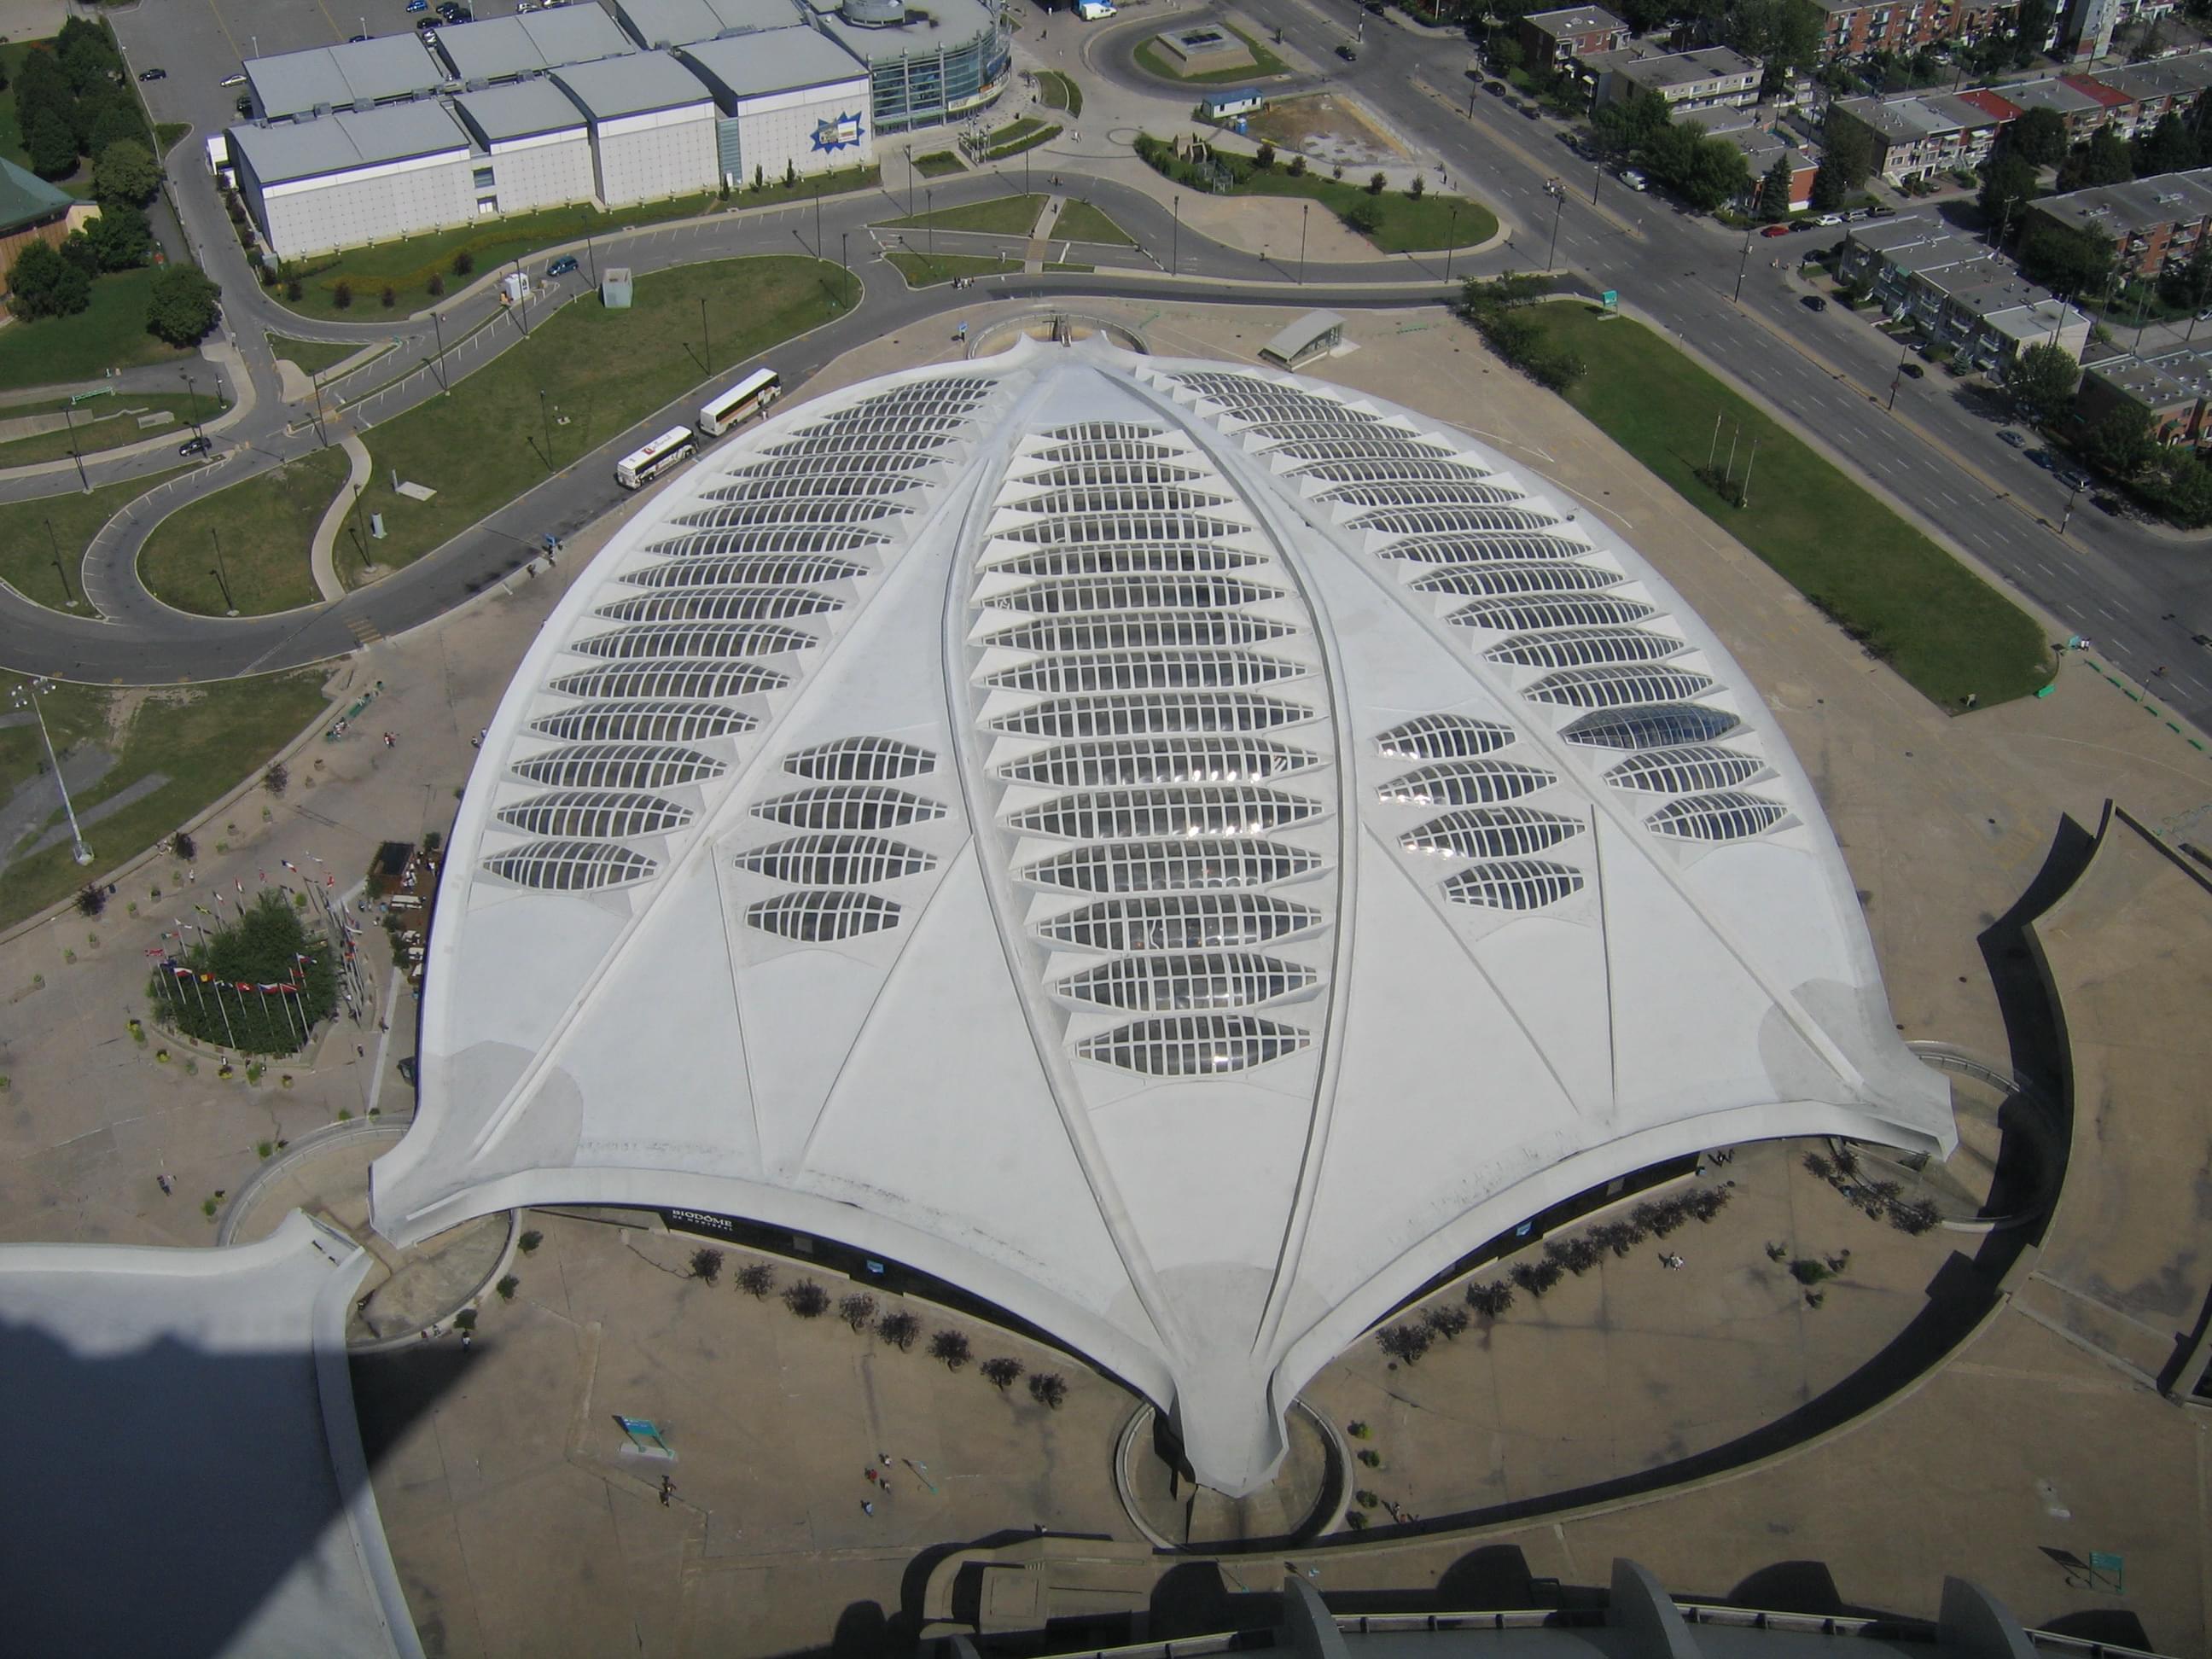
1181, 853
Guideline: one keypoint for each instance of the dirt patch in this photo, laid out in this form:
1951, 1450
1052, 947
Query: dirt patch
1329, 128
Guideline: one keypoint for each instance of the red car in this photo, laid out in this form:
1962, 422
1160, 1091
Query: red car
1775, 230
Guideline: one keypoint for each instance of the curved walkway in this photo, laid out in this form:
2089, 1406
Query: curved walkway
326, 533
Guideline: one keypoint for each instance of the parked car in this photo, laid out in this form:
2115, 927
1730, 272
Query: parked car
1814, 302
1634, 179
418, 5
2105, 503
428, 28
1530, 112
1912, 371
245, 103
2069, 480
154, 75
355, 39
199, 444
1805, 224
1831, 219
2205, 639
237, 80
1347, 52
1495, 89
2012, 438
1775, 230
561, 266
2041, 458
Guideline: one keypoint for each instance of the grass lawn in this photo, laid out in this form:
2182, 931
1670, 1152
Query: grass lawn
1003, 216
1063, 264
313, 356
205, 739
408, 264
1155, 59
1941, 626
1079, 221
103, 423
1059, 91
928, 269
600, 370
938, 163
1027, 139
267, 524
1409, 226
166, 134
109, 333
26, 552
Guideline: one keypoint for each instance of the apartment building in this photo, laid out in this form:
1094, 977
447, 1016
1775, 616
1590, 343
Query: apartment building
1957, 291
1925, 133
2173, 388
1713, 77
1563, 38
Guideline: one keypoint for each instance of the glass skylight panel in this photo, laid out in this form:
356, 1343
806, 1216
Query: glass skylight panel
836, 860
1111, 593
1186, 813
1178, 758
1153, 985
1616, 687
918, 444
1204, 1046
569, 866
841, 460
1078, 528
1513, 883
668, 720
1489, 832
1145, 670
1379, 447
1660, 726
805, 485
1724, 815
1391, 471
1483, 547
822, 918
1104, 432
1443, 520
1108, 449
1110, 558
1132, 629
1172, 714
1578, 611
1292, 428
694, 640
1076, 473
769, 556
1188, 921
1419, 494
1507, 581
861, 760
1120, 498
1678, 771
849, 806
744, 570
620, 766
1171, 866
760, 515
720, 604
1443, 737
1466, 783
599, 814
672, 679
1574, 648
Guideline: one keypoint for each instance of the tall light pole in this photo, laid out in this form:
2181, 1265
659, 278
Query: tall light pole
69, 420
221, 575
545, 414
817, 218
68, 595
27, 695
592, 253
437, 328
193, 391
1904, 345
1305, 208
1742, 265
1174, 248
1451, 237
1558, 208
929, 195
705, 340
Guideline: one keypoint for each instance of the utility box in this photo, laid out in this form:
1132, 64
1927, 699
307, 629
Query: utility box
615, 289
514, 287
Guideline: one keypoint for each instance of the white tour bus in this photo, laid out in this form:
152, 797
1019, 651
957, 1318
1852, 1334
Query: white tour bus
641, 466
748, 398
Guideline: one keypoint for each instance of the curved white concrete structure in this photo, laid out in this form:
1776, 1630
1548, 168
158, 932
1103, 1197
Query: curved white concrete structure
1182, 851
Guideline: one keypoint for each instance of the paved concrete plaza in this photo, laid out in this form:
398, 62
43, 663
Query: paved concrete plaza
520, 1523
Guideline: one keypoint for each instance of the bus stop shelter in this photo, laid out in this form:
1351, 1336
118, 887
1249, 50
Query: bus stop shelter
1314, 335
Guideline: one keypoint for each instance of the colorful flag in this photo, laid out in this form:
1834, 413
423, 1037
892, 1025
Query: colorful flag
288, 865
155, 949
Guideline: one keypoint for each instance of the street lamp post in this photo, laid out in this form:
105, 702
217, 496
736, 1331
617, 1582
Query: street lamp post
1904, 345
929, 195
192, 389
545, 416
817, 218
69, 420
1451, 237
1742, 265
845, 260
2067, 517
54, 542
1304, 209
1175, 247
437, 328
1558, 208
706, 341
590, 253
221, 575
26, 696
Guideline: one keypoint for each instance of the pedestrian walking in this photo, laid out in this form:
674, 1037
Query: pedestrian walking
867, 1508
667, 1490
163, 1182
871, 1475
467, 1337
884, 1458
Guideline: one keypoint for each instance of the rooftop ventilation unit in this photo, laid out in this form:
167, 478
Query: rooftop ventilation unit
874, 14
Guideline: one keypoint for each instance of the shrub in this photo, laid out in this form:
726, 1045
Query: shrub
1491, 1298
1371, 1457
1266, 157
1376, 185
1356, 1520
183, 846
1405, 1343
706, 1265
1365, 217
756, 1279
1537, 1276
1414, 191
91, 899
1806, 1271
1002, 1373
1819, 1168
463, 263
465, 1320
858, 1310
1049, 1389
1619, 1236
435, 286
1297, 167
1707, 1202
292, 290
1577, 1254
807, 1299
389, 296
342, 295
949, 1346
1365, 1499
530, 1242
277, 779
1447, 1319
1916, 1217
899, 1329
507, 1287
1357, 1430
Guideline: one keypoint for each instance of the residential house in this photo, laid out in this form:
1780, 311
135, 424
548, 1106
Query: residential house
2172, 387
1713, 77
2151, 223
1923, 133
31, 209
1563, 38
2175, 85
1957, 291
2083, 112
1762, 146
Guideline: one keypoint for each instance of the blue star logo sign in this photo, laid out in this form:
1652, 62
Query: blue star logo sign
837, 132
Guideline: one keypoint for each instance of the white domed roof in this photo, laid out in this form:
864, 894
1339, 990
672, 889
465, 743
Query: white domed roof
1184, 853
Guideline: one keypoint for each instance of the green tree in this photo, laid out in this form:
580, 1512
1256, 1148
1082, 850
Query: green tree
2072, 261
2186, 495
2104, 160
2038, 137
110, 120
42, 283
125, 173
1786, 35
2031, 29
180, 304
1620, 130
2169, 147
2007, 186
87, 53
1774, 193
2189, 285
1829, 190
50, 144
120, 237
262, 948
2041, 381
1849, 149
1364, 215
2123, 443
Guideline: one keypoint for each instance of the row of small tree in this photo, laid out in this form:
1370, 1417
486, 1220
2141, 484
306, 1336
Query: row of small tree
806, 1299
1499, 309
72, 99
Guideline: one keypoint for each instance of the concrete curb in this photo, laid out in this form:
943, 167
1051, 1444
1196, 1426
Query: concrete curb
320, 556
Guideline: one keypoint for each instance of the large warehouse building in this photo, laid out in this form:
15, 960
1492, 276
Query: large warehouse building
1183, 854
685, 97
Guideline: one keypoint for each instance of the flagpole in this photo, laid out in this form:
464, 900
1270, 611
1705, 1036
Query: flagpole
224, 1011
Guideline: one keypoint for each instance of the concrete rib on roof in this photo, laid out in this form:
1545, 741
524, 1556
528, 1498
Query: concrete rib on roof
363, 71
346, 139
531, 42
774, 60
639, 84
681, 23
523, 110
959, 21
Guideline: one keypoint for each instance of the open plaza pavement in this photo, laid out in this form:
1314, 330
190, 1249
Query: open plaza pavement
522, 1521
